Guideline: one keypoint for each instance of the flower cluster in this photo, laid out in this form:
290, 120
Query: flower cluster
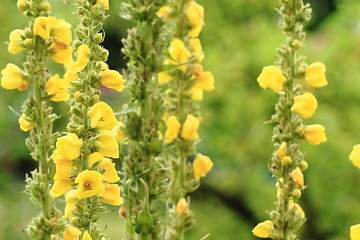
286, 78
186, 81
84, 171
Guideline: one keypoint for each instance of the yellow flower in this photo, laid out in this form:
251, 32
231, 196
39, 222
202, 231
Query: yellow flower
58, 88
60, 187
112, 195
43, 26
62, 30
89, 184
195, 32
355, 232
71, 200
195, 14
305, 105
281, 152
110, 175
62, 52
71, 233
178, 53
102, 116
164, 12
86, 236
190, 127
197, 49
120, 135
105, 3
69, 146
315, 134
315, 75
355, 155
164, 77
63, 166
12, 78
112, 79
24, 124
182, 207
107, 143
201, 166
263, 229
196, 93
15, 39
271, 77
297, 176
205, 81
172, 131
298, 210
83, 57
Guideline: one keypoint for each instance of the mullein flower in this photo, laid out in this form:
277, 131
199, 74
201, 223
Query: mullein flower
172, 131
71, 233
107, 143
12, 78
190, 127
25, 125
182, 207
58, 88
112, 79
104, 3
355, 155
179, 54
287, 163
16, 37
355, 232
102, 116
164, 77
83, 58
89, 184
201, 166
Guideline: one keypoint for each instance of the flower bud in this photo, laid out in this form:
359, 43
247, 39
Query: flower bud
286, 161
29, 43
296, 193
122, 212
47, 6
303, 165
98, 38
22, 5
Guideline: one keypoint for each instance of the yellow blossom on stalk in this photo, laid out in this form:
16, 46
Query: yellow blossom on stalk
315, 75
43, 26
172, 131
69, 146
182, 207
110, 175
164, 77
63, 166
178, 53
71, 233
263, 229
105, 3
58, 88
12, 78
83, 57
271, 77
297, 176
163, 12
60, 187
86, 236
89, 184
102, 116
62, 30
112, 195
120, 135
195, 32
205, 81
112, 79
305, 105
355, 232
190, 127
107, 143
315, 134
195, 14
201, 166
71, 199
298, 210
197, 49
62, 52
24, 124
15, 38
355, 155
196, 93
281, 152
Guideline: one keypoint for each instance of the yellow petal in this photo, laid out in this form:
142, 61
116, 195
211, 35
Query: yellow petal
305, 105
315, 134
173, 126
271, 77
355, 155
263, 229
201, 166
190, 127
112, 195
355, 232
315, 75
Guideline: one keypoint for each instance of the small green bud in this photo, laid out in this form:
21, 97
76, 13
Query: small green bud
296, 193
98, 38
75, 221
47, 6
71, 127
296, 44
300, 131
81, 128
78, 96
22, 5
95, 99
104, 54
303, 165
29, 43
286, 161
76, 44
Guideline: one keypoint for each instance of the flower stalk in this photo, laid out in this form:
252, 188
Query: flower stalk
144, 168
286, 79
186, 82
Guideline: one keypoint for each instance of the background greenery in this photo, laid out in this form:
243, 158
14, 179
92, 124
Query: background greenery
239, 38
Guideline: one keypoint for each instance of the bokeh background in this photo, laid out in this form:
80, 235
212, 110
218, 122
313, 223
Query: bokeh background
240, 37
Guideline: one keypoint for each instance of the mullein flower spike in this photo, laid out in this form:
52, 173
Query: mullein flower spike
288, 162
45, 37
186, 81
83, 173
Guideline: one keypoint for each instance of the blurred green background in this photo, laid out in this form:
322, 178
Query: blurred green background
239, 39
